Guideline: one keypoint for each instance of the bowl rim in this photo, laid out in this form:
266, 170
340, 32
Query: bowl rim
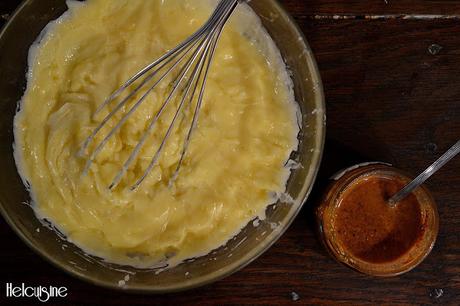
228, 270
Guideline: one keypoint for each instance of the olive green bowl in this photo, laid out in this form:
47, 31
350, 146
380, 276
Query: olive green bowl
18, 35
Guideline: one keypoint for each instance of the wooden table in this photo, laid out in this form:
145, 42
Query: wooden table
391, 72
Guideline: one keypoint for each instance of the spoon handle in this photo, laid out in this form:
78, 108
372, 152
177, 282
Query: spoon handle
419, 180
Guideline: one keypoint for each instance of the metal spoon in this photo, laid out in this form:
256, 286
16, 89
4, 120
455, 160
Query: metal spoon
419, 180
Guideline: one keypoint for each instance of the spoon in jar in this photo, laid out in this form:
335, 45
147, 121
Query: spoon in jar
419, 180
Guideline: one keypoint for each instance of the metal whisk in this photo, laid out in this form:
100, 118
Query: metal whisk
193, 59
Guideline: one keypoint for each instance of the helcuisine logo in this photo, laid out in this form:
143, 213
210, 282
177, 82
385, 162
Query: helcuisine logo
42, 293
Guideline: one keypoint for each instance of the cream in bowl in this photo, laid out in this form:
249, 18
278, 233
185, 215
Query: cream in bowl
237, 160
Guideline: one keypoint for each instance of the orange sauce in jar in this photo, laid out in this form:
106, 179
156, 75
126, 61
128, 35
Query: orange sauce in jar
359, 228
371, 229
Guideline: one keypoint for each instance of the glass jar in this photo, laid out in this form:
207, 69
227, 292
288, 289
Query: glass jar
363, 222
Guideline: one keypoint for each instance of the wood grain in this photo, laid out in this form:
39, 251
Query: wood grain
388, 99
373, 7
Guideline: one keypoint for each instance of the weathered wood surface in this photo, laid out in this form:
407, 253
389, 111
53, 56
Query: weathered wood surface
390, 98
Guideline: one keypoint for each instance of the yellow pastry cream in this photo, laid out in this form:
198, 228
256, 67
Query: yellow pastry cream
236, 160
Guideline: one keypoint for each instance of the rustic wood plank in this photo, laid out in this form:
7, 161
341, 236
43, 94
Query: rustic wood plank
373, 7
6, 8
389, 98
